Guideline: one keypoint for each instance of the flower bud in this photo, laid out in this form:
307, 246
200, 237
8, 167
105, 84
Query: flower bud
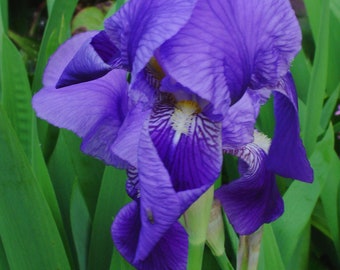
215, 236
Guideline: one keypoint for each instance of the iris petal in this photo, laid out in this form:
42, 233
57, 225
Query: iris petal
161, 206
94, 110
190, 148
238, 125
253, 199
126, 143
239, 44
169, 253
61, 58
140, 27
287, 155
132, 184
87, 64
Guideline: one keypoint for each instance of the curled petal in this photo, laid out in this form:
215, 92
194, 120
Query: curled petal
239, 44
125, 230
170, 252
140, 27
94, 110
287, 155
253, 199
61, 58
189, 146
88, 63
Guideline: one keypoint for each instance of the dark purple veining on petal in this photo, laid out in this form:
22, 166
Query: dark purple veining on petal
189, 145
253, 199
132, 184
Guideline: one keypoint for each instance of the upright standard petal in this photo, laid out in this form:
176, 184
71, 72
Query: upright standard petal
169, 253
253, 199
63, 55
238, 44
287, 155
140, 27
94, 111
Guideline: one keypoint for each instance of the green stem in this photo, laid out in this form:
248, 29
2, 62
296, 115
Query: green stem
224, 262
195, 257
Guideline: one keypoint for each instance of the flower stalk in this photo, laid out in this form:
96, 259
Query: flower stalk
216, 236
196, 220
249, 250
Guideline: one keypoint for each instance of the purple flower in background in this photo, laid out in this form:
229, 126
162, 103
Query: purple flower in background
198, 73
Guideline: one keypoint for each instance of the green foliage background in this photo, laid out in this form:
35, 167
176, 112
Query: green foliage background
57, 205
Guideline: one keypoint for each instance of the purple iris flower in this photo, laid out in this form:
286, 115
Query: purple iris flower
198, 73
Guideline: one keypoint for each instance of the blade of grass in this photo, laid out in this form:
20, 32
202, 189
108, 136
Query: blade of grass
88, 170
3, 258
16, 94
270, 256
334, 44
16, 99
57, 31
112, 197
301, 72
117, 5
3, 16
330, 199
81, 224
329, 107
300, 200
25, 214
317, 84
314, 12
50, 4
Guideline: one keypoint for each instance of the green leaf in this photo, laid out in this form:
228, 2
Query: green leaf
330, 200
16, 99
25, 214
112, 197
319, 220
266, 121
301, 72
90, 18
88, 170
335, 7
314, 8
209, 261
329, 107
119, 263
57, 31
117, 5
270, 256
333, 78
3, 16
300, 200
16, 94
81, 224
3, 259
50, 4
29, 46
317, 83
337, 127
75, 166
